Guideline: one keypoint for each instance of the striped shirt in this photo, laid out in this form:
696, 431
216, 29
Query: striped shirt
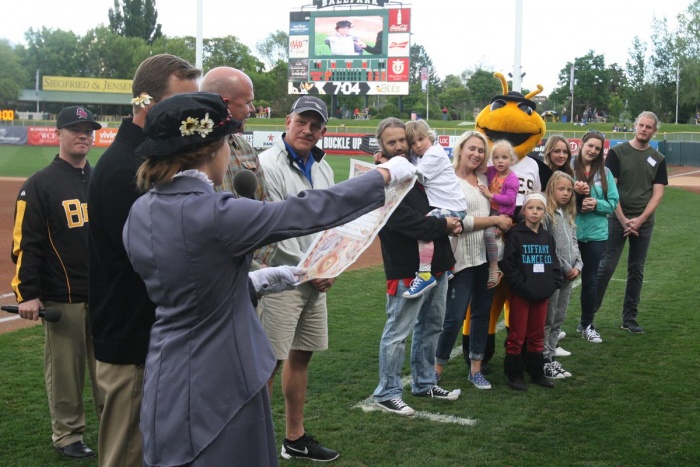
469, 248
244, 156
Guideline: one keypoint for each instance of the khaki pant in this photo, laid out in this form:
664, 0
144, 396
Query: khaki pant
120, 442
67, 353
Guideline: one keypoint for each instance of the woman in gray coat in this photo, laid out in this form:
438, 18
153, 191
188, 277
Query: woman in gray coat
205, 400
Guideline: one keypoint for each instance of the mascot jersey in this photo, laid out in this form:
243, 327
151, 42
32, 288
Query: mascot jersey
528, 172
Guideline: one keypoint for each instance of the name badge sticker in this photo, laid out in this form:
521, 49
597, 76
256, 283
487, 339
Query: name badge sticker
538, 268
651, 161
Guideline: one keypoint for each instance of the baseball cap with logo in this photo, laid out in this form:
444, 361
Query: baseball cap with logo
74, 115
306, 103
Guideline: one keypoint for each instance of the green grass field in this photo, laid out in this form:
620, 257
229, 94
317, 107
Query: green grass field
22, 161
632, 399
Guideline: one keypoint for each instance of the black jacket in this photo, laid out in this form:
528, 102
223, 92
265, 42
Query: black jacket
530, 263
50, 236
406, 225
121, 314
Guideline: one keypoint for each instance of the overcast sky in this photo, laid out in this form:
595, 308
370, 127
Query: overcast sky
457, 34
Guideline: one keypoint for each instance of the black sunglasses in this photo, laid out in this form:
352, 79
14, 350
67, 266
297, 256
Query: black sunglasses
596, 133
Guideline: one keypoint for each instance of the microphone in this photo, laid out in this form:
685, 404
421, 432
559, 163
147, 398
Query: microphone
52, 315
245, 183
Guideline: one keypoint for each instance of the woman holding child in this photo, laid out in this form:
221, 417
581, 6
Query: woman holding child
471, 274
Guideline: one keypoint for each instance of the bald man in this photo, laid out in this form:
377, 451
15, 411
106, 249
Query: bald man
236, 88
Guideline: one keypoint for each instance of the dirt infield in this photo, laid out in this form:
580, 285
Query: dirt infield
684, 177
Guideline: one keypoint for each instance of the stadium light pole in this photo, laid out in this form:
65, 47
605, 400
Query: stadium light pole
36, 90
517, 73
678, 80
571, 87
199, 43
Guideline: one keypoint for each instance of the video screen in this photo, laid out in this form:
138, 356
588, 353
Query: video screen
349, 35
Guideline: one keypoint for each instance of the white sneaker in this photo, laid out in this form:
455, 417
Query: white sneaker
559, 352
562, 335
591, 335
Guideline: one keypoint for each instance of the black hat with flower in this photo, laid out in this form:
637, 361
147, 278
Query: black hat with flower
183, 120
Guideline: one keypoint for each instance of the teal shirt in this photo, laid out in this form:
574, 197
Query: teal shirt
593, 226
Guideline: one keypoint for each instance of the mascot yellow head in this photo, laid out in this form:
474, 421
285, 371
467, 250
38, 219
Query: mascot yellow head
512, 117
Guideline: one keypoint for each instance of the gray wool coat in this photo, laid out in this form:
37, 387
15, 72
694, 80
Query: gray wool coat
208, 354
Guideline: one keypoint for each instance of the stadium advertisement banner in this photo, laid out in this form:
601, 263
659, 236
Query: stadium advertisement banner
104, 137
62, 83
13, 135
41, 136
332, 143
46, 136
351, 144
265, 139
299, 47
356, 52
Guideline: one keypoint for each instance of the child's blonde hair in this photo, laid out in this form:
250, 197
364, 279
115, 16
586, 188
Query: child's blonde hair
419, 128
569, 209
503, 143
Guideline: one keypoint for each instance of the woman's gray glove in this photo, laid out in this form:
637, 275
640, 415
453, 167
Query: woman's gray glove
277, 279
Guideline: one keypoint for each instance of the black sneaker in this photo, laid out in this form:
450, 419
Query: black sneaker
307, 447
633, 327
397, 406
436, 392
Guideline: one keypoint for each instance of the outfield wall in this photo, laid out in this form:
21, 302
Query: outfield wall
353, 144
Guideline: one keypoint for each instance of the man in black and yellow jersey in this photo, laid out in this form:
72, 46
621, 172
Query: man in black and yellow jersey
49, 247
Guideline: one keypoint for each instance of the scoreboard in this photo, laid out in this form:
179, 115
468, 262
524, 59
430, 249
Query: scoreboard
373, 58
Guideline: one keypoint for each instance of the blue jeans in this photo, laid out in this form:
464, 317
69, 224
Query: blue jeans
591, 254
636, 258
467, 286
423, 316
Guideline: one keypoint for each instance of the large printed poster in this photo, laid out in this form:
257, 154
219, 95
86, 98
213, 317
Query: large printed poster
334, 250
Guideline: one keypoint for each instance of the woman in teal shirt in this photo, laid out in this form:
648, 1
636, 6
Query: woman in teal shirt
596, 198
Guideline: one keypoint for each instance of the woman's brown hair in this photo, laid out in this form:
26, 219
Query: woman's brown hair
157, 170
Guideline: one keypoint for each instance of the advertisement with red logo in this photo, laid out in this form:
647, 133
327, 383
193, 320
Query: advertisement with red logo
41, 136
400, 20
299, 47
399, 45
397, 69
46, 136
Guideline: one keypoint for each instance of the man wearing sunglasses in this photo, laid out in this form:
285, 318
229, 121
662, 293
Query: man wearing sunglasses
640, 174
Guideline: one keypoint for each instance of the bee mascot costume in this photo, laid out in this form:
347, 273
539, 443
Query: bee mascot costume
513, 117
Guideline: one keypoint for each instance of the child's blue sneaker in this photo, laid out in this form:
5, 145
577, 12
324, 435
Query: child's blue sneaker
479, 381
419, 286
449, 274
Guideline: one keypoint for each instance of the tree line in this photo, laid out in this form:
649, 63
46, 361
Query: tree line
646, 82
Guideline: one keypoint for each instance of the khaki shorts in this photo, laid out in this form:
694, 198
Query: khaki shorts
295, 319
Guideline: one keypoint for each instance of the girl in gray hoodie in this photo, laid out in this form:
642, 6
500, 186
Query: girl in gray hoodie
560, 221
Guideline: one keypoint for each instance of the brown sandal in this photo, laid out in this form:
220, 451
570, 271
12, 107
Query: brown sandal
495, 276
